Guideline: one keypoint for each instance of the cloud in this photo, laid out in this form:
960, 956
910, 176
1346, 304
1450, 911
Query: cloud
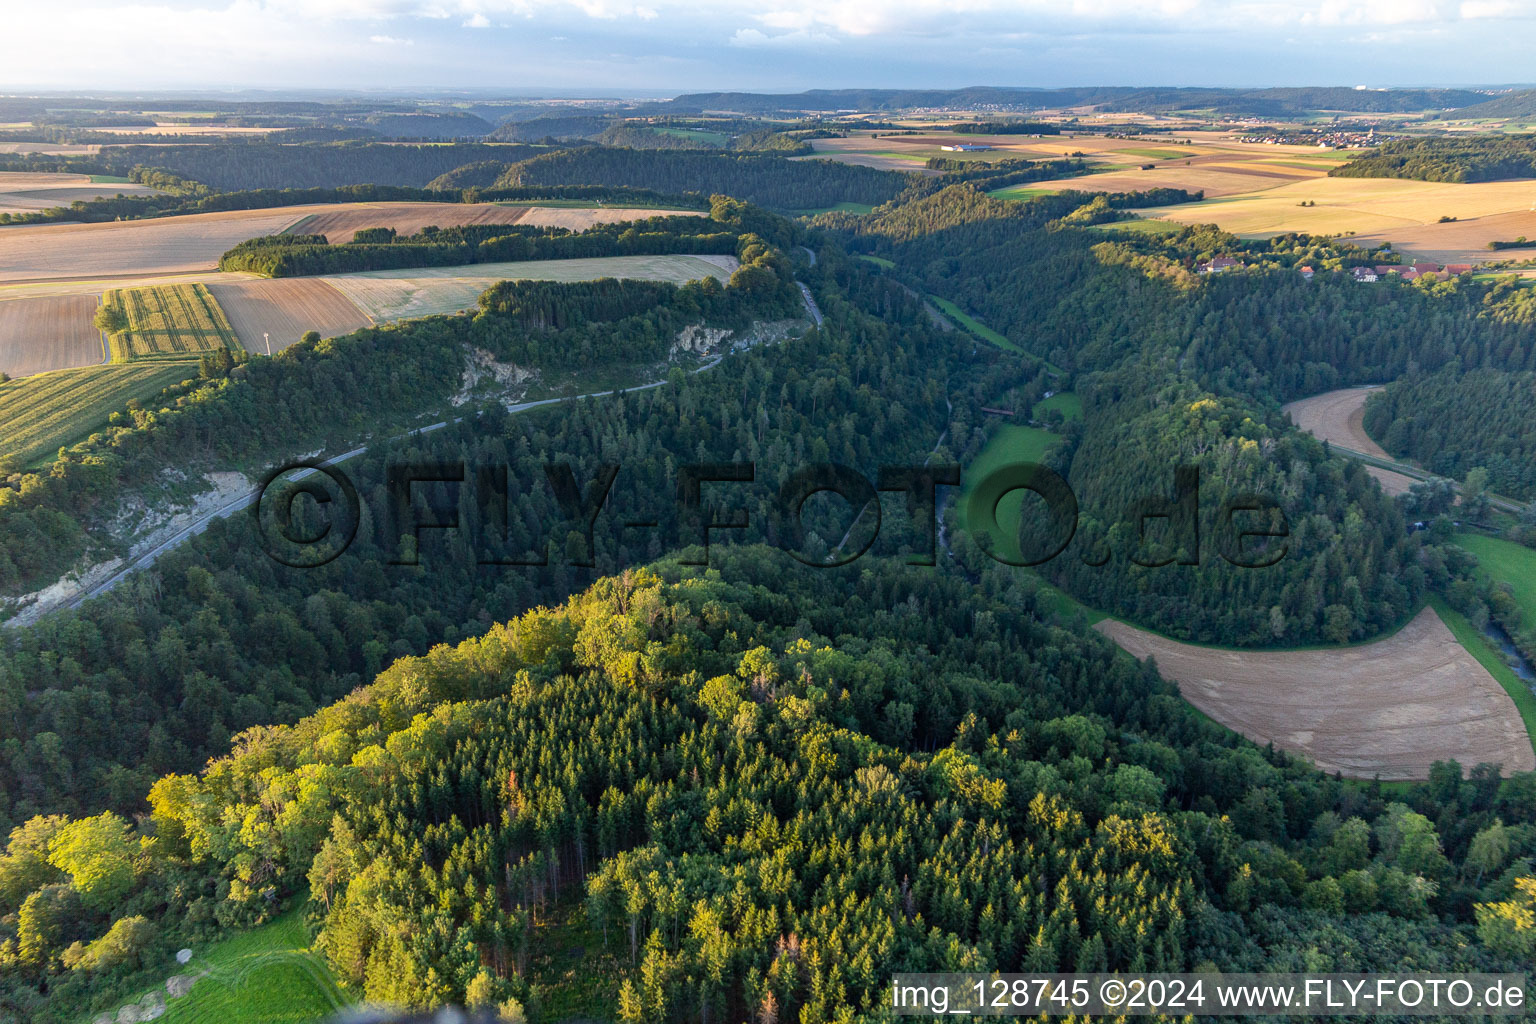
477, 20
391, 41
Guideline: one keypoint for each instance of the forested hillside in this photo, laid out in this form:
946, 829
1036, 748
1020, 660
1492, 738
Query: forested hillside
1473, 158
1453, 422
758, 786
771, 181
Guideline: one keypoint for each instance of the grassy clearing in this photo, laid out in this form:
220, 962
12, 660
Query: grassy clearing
1477, 645
880, 261
859, 208
1010, 445
1021, 192
575, 973
174, 322
698, 135
981, 330
267, 975
110, 179
1509, 563
1065, 402
48, 411
1141, 225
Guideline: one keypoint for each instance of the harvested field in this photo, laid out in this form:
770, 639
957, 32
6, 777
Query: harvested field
52, 333
1393, 483
285, 309
1373, 207
1335, 417
43, 413
577, 218
170, 322
1390, 708
28, 192
49, 252
399, 294
1461, 241
339, 224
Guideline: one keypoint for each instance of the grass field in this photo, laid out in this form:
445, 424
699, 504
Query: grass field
48, 411
860, 208
977, 328
399, 294
880, 261
1388, 708
1009, 445
1506, 562
698, 135
1142, 225
1065, 402
169, 322
267, 975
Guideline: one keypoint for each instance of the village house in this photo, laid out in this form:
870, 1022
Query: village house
1306, 273
1219, 265
1364, 274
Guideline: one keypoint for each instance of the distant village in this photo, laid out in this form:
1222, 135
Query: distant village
1365, 275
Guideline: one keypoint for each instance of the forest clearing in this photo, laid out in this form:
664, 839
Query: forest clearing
1390, 708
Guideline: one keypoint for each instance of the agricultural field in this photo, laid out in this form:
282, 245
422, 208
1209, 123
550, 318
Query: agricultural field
48, 333
268, 975
1377, 210
28, 191
280, 311
338, 224
400, 294
138, 248
1065, 402
48, 411
1337, 417
1386, 709
176, 322
575, 218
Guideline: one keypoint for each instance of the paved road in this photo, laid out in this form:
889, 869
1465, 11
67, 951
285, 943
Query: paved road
810, 304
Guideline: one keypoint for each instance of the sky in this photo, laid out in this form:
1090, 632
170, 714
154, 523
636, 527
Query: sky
650, 47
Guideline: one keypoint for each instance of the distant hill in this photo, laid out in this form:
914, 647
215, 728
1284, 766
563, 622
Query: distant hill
1514, 104
428, 125
1258, 102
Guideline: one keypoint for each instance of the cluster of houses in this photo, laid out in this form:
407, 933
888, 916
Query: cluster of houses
1366, 275
1408, 272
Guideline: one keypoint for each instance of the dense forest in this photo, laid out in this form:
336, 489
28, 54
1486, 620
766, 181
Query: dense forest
1439, 158
758, 785
382, 249
1453, 422
766, 180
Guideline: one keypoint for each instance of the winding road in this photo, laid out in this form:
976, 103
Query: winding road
145, 559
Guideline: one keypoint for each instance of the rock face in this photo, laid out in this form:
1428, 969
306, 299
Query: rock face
148, 1008
698, 339
183, 956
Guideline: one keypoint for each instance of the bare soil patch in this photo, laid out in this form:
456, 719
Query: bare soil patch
582, 218
1389, 709
52, 333
285, 309
1336, 417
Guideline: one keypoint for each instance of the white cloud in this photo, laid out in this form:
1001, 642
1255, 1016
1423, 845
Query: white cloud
390, 41
477, 20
